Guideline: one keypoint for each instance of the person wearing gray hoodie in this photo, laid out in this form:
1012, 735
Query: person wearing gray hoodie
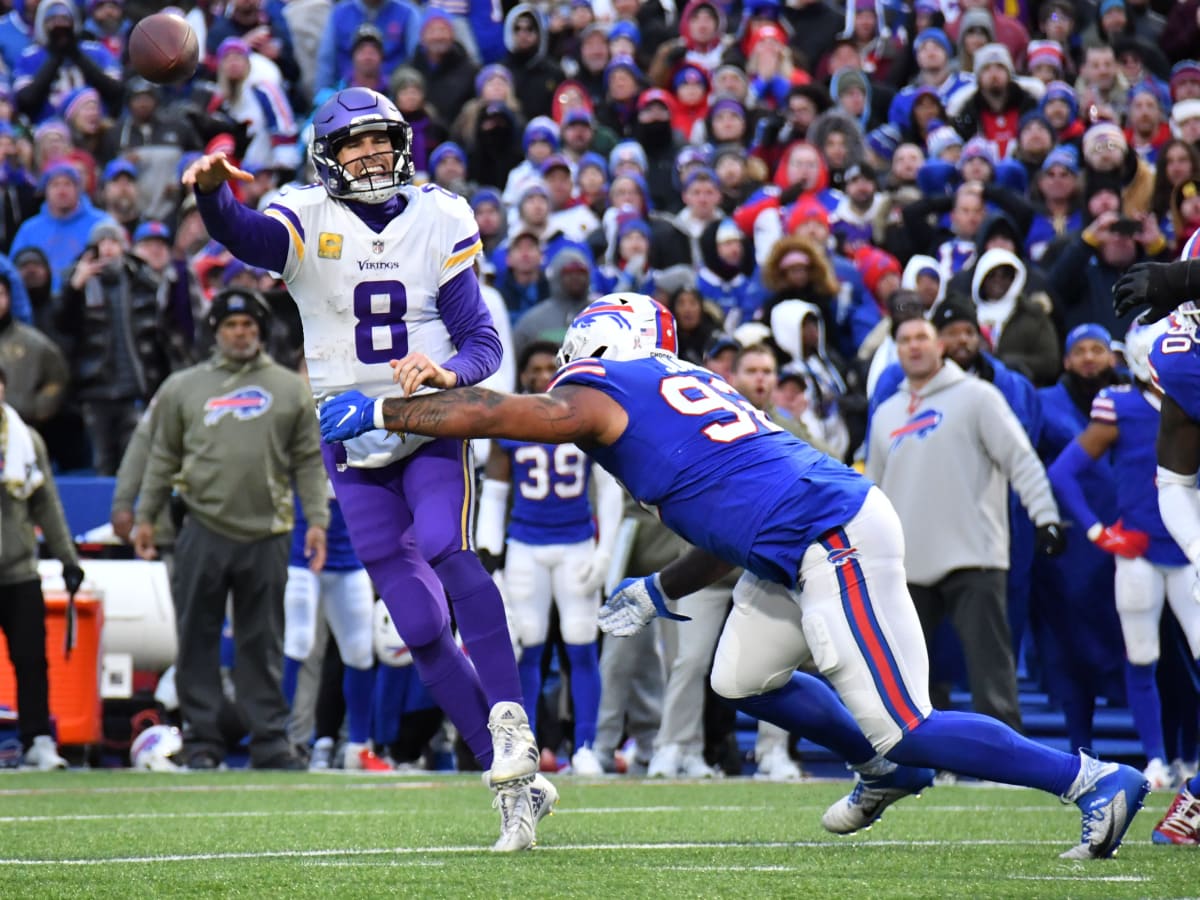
944, 449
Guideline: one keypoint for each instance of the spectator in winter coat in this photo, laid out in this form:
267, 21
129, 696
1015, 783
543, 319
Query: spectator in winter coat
799, 269
728, 276
63, 226
264, 30
535, 75
397, 21
798, 330
448, 70
1019, 331
995, 108
60, 61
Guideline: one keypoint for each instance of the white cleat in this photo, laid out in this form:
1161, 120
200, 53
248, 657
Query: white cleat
1109, 796
514, 750
692, 765
43, 755
776, 765
543, 796
322, 755
872, 795
584, 762
517, 817
1159, 774
665, 762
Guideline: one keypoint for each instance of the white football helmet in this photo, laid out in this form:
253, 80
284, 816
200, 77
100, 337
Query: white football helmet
389, 646
153, 748
1139, 341
620, 326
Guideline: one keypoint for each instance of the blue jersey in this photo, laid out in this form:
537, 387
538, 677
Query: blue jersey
550, 500
1136, 416
1175, 364
339, 554
718, 471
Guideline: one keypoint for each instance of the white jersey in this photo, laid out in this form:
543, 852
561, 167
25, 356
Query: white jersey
366, 299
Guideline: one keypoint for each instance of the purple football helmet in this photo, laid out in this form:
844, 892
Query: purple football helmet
350, 113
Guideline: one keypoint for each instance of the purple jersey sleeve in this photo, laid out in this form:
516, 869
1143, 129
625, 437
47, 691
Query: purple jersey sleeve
470, 325
252, 237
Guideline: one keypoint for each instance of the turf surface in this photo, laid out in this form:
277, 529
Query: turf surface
124, 834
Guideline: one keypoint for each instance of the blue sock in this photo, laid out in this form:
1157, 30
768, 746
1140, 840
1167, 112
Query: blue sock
1193, 786
980, 747
291, 675
358, 686
1141, 689
529, 668
808, 706
585, 691
387, 702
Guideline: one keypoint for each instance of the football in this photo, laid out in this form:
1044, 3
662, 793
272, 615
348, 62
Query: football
164, 49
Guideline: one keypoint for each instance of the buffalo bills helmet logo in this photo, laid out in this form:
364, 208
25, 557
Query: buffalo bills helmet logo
919, 426
243, 404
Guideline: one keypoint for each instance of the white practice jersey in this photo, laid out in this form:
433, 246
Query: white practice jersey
366, 298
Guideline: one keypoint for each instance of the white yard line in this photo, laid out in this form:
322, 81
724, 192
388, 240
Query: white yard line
544, 848
563, 811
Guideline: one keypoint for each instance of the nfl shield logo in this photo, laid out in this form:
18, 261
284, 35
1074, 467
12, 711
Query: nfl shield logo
376, 247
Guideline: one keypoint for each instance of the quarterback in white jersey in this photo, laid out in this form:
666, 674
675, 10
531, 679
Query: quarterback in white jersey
381, 271
367, 297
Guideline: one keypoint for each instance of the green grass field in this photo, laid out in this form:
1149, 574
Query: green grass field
124, 834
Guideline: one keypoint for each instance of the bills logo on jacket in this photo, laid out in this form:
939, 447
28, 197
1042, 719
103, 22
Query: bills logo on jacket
244, 403
919, 426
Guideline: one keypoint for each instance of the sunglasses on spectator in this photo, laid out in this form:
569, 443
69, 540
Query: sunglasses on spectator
524, 26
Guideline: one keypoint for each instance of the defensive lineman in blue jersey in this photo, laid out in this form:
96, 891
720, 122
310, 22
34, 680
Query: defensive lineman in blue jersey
822, 548
1150, 565
1173, 289
555, 553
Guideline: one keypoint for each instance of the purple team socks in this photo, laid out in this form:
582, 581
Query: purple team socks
358, 687
585, 691
530, 671
448, 675
980, 747
479, 614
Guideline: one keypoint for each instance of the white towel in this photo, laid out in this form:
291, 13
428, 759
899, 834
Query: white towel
21, 474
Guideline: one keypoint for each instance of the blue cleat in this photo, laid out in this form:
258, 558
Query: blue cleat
871, 796
1109, 796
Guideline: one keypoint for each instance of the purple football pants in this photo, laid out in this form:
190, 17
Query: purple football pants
410, 524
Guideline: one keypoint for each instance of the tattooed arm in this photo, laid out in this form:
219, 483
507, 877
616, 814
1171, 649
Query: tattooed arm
568, 414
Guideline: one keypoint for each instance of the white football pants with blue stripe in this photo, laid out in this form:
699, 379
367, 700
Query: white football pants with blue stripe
851, 617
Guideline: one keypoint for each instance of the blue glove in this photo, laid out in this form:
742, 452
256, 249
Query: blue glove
632, 606
347, 416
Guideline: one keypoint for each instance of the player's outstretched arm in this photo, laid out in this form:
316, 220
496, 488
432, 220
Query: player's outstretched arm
1162, 286
253, 237
568, 414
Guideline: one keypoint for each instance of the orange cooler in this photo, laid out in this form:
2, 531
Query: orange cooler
74, 682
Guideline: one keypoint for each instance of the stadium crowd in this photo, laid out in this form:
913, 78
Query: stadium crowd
793, 180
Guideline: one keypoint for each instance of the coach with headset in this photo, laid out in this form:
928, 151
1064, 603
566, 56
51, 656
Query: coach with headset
231, 436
